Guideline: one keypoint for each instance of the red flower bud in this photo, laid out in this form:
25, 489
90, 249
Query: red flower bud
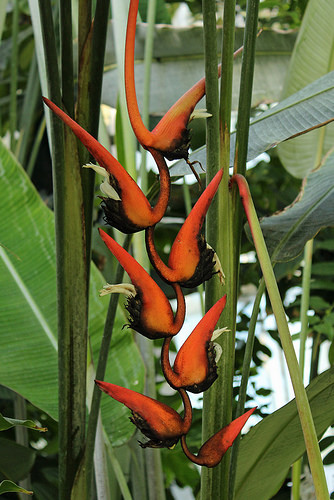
191, 260
160, 423
149, 309
195, 367
215, 448
126, 207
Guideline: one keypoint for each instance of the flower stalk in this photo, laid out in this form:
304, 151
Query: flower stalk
304, 411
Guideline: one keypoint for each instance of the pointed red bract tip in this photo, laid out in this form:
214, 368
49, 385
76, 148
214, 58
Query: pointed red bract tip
215, 448
132, 212
195, 368
160, 423
150, 311
191, 261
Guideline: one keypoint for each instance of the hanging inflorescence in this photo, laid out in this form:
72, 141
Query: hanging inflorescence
191, 262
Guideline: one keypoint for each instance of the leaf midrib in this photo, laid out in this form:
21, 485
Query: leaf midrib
29, 299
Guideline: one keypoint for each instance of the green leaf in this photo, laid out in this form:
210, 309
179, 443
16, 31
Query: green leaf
7, 423
10, 487
271, 446
28, 342
307, 108
16, 460
301, 221
312, 58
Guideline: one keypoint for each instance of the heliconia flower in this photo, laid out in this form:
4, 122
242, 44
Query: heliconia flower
157, 421
215, 448
191, 260
195, 366
171, 135
125, 205
149, 309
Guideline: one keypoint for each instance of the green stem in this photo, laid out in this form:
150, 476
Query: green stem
246, 86
303, 406
305, 301
244, 381
66, 51
244, 109
13, 76
217, 401
71, 277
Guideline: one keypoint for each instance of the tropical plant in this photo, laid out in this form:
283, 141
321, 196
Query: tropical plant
57, 335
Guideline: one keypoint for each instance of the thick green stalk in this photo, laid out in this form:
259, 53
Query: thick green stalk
13, 77
66, 55
244, 381
27, 122
303, 406
71, 277
305, 301
246, 86
217, 403
244, 109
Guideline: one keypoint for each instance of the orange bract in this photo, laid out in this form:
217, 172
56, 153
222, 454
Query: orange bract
131, 212
191, 261
195, 368
150, 310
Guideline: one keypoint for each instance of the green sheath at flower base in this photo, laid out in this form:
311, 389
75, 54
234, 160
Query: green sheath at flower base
125, 205
191, 261
157, 421
195, 366
149, 309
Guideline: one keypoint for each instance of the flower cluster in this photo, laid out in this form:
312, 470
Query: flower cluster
191, 262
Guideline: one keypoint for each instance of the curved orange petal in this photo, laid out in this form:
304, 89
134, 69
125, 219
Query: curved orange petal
190, 260
195, 366
171, 135
133, 212
215, 448
152, 315
157, 421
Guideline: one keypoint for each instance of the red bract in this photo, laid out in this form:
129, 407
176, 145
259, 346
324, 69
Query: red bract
170, 136
129, 211
195, 367
160, 423
191, 260
215, 448
149, 309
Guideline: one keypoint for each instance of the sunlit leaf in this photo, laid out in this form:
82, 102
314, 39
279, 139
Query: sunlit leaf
28, 308
312, 58
309, 107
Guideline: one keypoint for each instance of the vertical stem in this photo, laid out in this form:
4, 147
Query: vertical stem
71, 278
218, 399
66, 51
13, 76
304, 411
305, 301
